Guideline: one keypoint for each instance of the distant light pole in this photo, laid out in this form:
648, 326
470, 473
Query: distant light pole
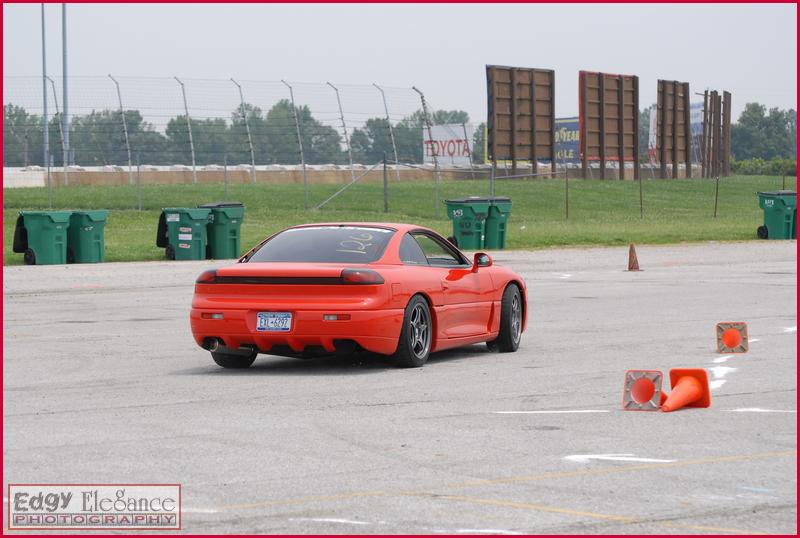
45, 125
65, 117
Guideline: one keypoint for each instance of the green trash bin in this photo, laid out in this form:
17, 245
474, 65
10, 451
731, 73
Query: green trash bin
496, 223
224, 230
469, 220
86, 236
182, 232
42, 236
780, 215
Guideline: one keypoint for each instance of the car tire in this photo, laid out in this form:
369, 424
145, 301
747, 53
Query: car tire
416, 337
511, 315
229, 360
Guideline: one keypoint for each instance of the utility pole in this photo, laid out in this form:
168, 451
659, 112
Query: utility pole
247, 127
189, 125
344, 127
65, 116
391, 133
45, 124
124, 130
433, 152
60, 132
299, 142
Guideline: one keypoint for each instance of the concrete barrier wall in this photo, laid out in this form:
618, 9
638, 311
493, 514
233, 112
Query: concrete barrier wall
19, 178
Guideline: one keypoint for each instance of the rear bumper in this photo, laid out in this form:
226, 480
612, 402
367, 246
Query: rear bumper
374, 330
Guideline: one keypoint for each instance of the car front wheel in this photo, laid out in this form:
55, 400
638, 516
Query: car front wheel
510, 322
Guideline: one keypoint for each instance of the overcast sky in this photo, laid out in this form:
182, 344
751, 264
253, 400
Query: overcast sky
750, 50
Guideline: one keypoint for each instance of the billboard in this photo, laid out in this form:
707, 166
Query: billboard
567, 140
521, 106
450, 143
609, 120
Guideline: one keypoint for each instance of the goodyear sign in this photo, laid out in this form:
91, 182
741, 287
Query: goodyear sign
567, 139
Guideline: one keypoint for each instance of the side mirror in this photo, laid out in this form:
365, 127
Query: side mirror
481, 259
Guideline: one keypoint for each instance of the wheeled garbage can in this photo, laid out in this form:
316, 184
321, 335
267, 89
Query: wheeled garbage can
469, 220
496, 222
42, 236
182, 232
224, 230
780, 215
86, 236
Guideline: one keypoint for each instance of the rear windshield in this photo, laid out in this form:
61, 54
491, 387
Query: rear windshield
325, 244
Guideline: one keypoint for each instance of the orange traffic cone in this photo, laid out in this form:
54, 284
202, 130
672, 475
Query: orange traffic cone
732, 337
689, 389
633, 261
642, 390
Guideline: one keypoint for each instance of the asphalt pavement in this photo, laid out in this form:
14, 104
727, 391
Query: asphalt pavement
103, 383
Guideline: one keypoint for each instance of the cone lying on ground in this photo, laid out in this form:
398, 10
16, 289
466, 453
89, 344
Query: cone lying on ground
633, 261
732, 337
642, 390
689, 389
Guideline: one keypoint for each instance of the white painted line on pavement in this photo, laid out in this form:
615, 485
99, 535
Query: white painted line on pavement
329, 520
483, 531
759, 410
720, 360
565, 276
790, 329
717, 383
721, 371
754, 340
199, 511
551, 412
585, 458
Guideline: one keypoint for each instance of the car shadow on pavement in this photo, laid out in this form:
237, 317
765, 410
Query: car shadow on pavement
352, 364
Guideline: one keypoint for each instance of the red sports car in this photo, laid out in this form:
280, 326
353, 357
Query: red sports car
393, 289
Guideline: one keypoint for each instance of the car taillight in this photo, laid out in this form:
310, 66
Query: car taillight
361, 276
207, 277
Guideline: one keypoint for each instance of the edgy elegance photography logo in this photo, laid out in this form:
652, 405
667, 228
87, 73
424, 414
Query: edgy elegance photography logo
94, 506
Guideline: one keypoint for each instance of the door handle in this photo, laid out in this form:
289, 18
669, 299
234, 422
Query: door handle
445, 285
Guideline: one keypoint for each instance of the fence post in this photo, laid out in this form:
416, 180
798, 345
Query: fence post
299, 143
391, 133
385, 186
469, 151
49, 183
716, 196
124, 130
435, 160
138, 182
225, 176
64, 157
247, 127
189, 126
344, 127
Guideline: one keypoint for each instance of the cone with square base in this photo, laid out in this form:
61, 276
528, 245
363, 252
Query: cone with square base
732, 337
689, 389
633, 261
642, 390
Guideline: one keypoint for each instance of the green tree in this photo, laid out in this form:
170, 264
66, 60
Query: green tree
479, 144
765, 134
22, 137
210, 136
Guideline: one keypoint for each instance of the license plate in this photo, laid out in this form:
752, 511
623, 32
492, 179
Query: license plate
274, 321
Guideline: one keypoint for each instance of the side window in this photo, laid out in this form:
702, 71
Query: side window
411, 253
435, 253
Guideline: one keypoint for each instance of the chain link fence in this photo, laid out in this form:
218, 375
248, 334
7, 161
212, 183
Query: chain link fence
176, 122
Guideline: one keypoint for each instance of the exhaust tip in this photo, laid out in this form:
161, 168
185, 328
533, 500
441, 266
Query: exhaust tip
211, 344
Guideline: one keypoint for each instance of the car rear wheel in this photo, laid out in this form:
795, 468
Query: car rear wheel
416, 336
510, 322
229, 360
